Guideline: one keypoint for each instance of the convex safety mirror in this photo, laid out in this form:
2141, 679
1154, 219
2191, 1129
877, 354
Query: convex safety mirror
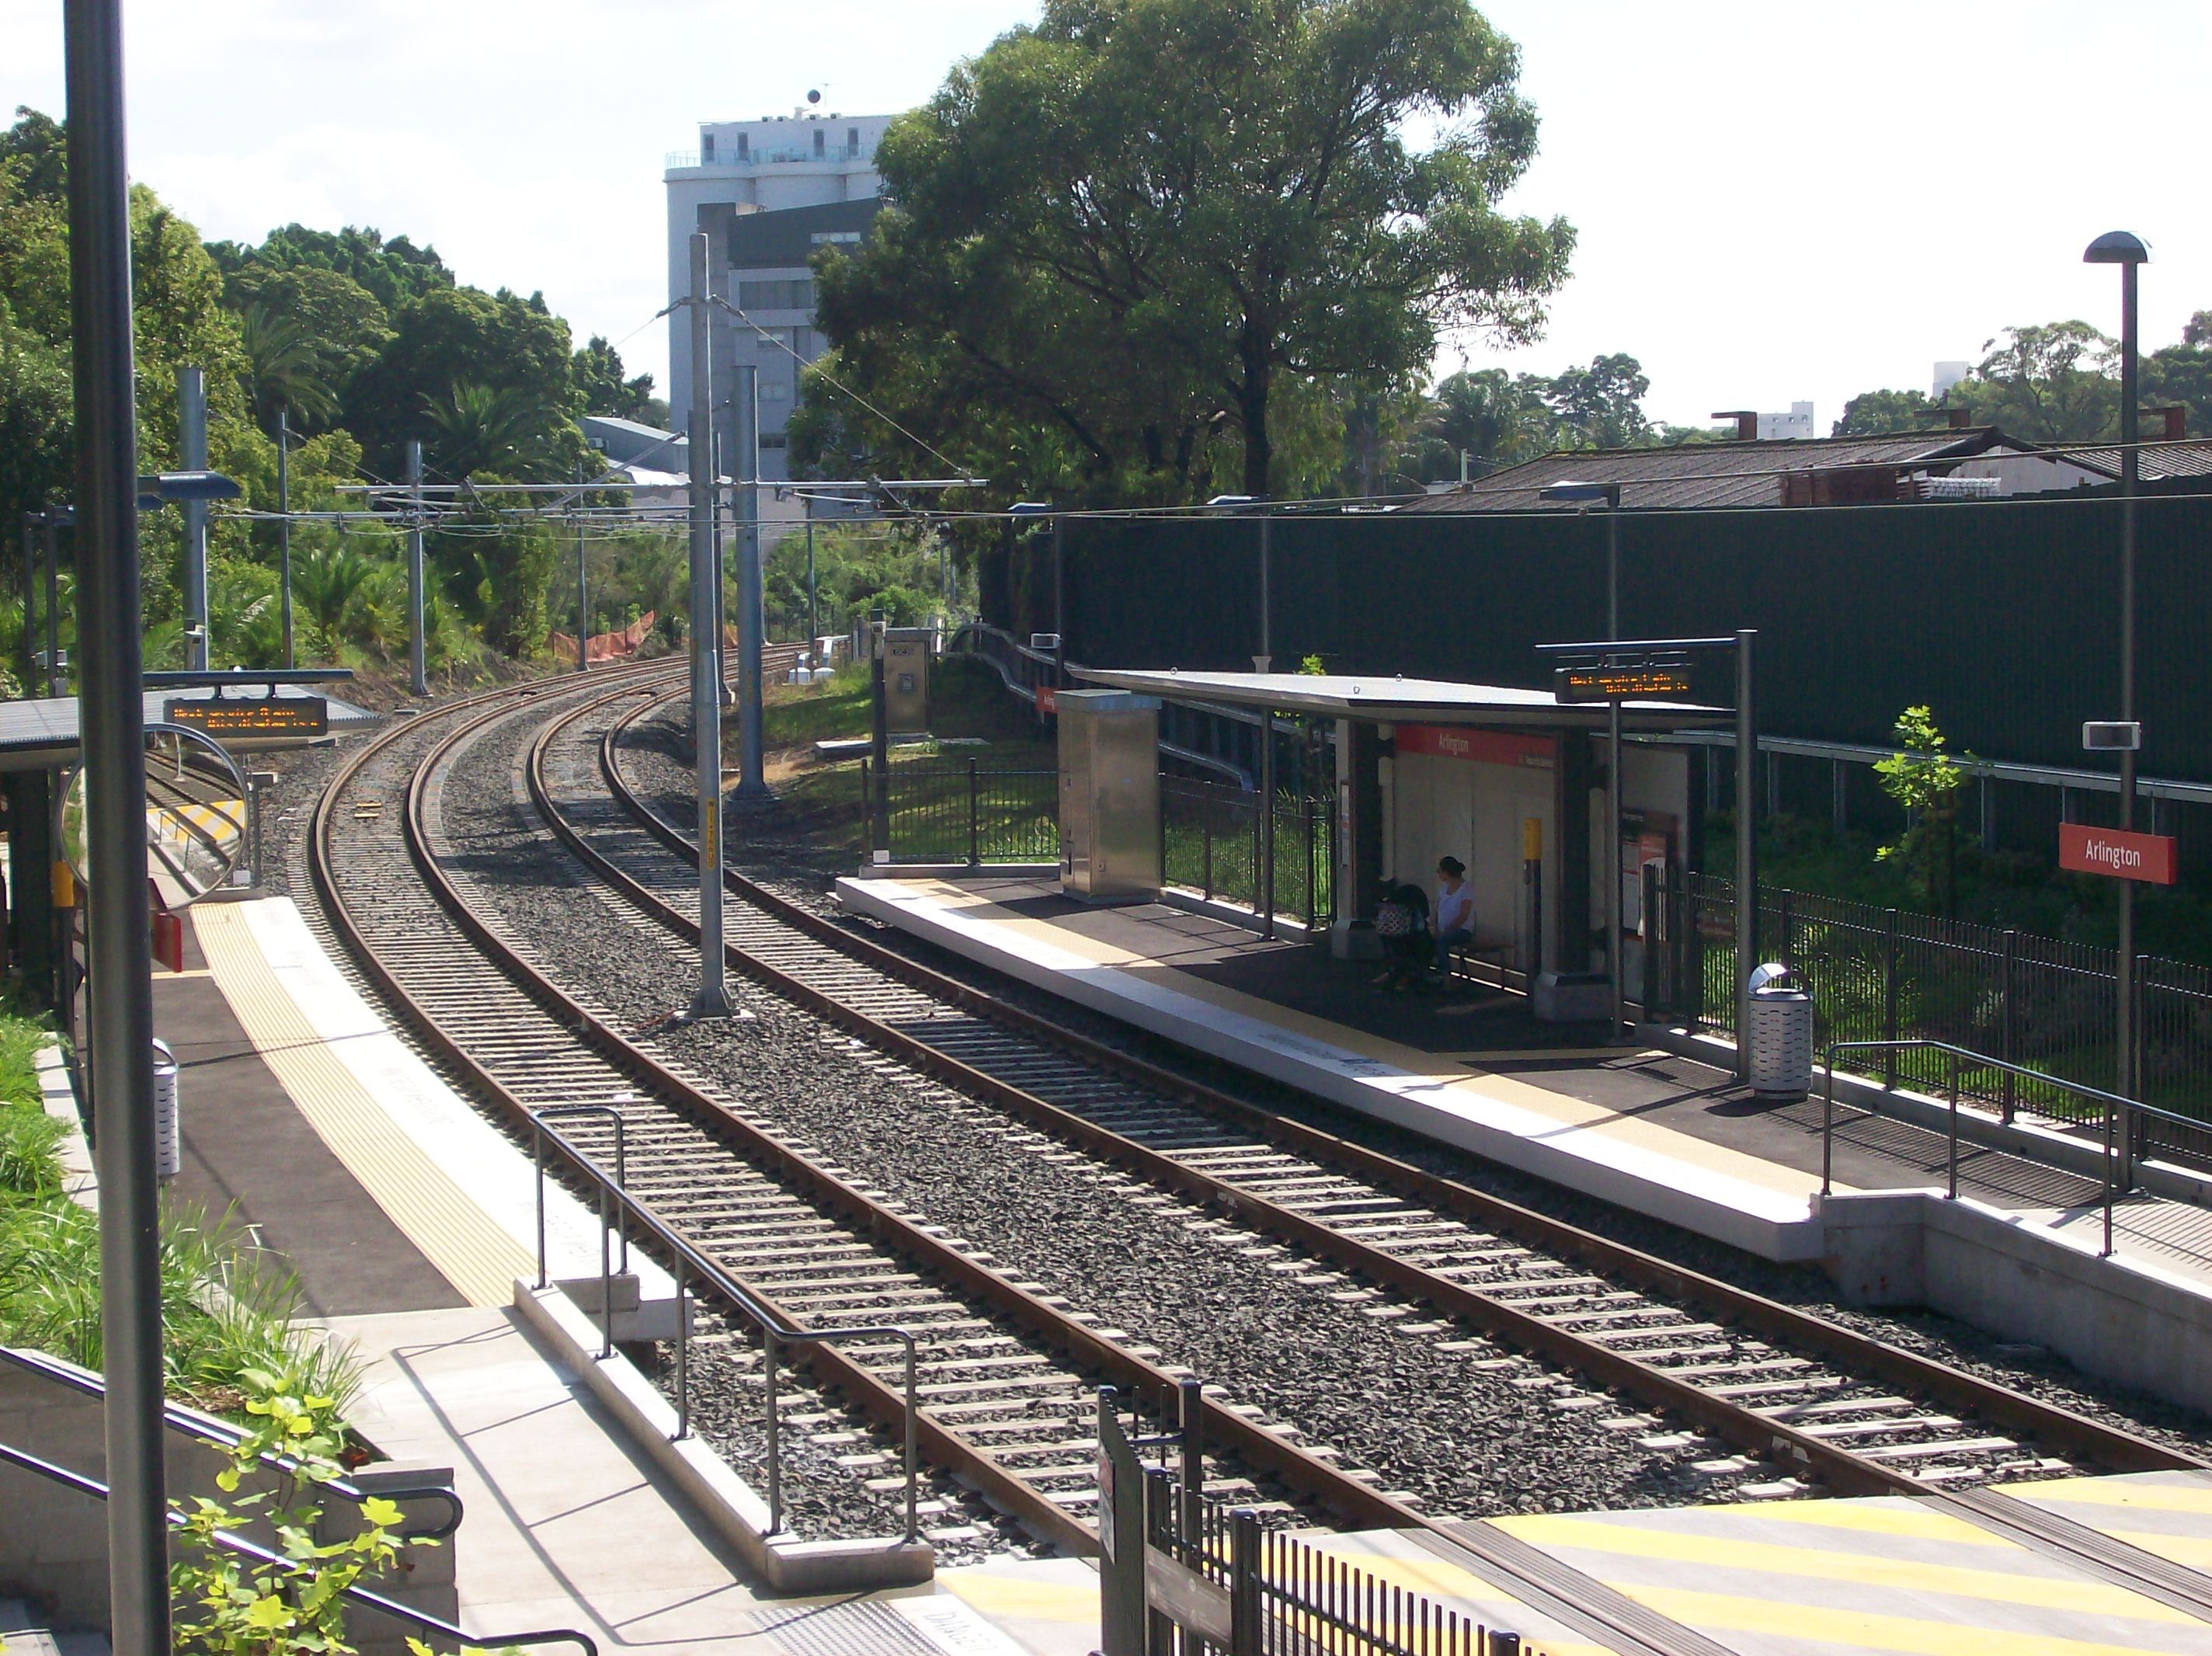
195, 816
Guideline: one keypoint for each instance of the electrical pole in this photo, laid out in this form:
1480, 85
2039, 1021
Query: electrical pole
192, 456
109, 631
416, 680
752, 780
813, 620
583, 600
711, 1000
284, 525
57, 675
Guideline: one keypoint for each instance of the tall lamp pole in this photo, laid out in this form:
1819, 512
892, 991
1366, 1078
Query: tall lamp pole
2128, 251
113, 727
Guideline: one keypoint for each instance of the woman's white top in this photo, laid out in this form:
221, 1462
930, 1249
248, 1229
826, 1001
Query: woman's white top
1455, 910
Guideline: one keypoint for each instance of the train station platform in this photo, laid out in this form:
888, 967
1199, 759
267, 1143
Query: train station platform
303, 1112
1840, 1578
1648, 1128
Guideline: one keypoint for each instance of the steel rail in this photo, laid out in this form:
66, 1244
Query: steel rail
1263, 1450
945, 1449
1861, 1355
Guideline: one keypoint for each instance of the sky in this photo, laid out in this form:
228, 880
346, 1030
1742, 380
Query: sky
1776, 202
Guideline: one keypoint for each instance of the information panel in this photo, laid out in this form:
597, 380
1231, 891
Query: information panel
2147, 857
254, 717
1619, 684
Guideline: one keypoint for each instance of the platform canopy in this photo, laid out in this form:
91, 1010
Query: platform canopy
40, 732
1383, 698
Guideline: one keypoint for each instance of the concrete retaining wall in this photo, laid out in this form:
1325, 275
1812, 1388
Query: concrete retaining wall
53, 1542
2117, 1319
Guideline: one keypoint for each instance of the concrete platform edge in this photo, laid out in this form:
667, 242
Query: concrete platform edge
58, 1097
1209, 1029
2116, 1317
722, 1499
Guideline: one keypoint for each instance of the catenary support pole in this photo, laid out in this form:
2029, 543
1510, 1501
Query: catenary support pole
583, 593
28, 662
192, 456
1611, 850
813, 619
417, 680
2130, 1082
1267, 660
711, 1000
1746, 845
752, 779
109, 622
57, 674
284, 530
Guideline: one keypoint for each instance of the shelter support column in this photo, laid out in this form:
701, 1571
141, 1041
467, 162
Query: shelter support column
30, 889
1358, 833
1573, 775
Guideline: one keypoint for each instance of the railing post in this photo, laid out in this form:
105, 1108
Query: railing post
1191, 1418
1206, 833
1953, 1152
1245, 1620
1828, 1128
2008, 1035
1313, 898
683, 1350
975, 841
1889, 997
537, 1164
867, 799
774, 1438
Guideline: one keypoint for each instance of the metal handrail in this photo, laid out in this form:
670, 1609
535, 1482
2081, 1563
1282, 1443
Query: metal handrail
2119, 1113
622, 1182
225, 1436
772, 1325
96, 1490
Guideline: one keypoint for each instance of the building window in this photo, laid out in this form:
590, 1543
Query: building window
797, 295
707, 147
745, 147
820, 144
834, 238
852, 140
774, 391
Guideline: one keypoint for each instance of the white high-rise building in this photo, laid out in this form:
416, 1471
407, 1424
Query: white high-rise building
1798, 424
768, 194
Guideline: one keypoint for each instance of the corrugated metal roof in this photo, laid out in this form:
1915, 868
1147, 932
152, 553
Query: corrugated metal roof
2191, 458
1718, 474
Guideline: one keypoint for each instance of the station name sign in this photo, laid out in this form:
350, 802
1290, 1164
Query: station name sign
2146, 857
251, 717
1619, 684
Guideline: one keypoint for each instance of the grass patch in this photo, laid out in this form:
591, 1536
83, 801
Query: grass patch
226, 1308
967, 701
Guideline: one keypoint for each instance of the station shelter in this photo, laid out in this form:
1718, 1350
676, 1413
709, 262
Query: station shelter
1509, 780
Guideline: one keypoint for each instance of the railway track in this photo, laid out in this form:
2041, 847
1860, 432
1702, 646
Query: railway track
1008, 1375
1819, 1403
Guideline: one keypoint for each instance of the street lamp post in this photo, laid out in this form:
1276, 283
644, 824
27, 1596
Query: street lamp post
1589, 494
2128, 251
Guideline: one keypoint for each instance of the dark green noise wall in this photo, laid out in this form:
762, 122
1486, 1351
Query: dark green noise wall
2002, 616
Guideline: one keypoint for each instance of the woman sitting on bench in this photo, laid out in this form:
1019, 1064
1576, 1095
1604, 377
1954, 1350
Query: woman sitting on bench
1454, 911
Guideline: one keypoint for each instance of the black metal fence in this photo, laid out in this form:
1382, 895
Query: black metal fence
1886, 975
957, 812
1209, 834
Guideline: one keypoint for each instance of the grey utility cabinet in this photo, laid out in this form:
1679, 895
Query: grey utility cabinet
1110, 795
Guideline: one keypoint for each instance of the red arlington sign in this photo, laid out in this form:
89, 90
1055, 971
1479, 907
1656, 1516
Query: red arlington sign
2146, 857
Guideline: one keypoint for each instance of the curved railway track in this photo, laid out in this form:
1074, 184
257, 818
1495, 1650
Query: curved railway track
1820, 1402
1008, 1375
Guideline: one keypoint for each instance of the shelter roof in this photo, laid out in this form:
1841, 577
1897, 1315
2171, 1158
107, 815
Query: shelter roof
1381, 698
1714, 474
41, 732
2189, 458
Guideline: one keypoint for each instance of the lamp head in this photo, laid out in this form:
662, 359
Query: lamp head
2117, 247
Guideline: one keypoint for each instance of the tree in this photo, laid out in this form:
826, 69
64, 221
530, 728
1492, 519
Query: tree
1879, 413
347, 325
2182, 374
1135, 224
505, 433
455, 337
285, 371
599, 382
1497, 419
1601, 406
1925, 781
394, 272
2053, 382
